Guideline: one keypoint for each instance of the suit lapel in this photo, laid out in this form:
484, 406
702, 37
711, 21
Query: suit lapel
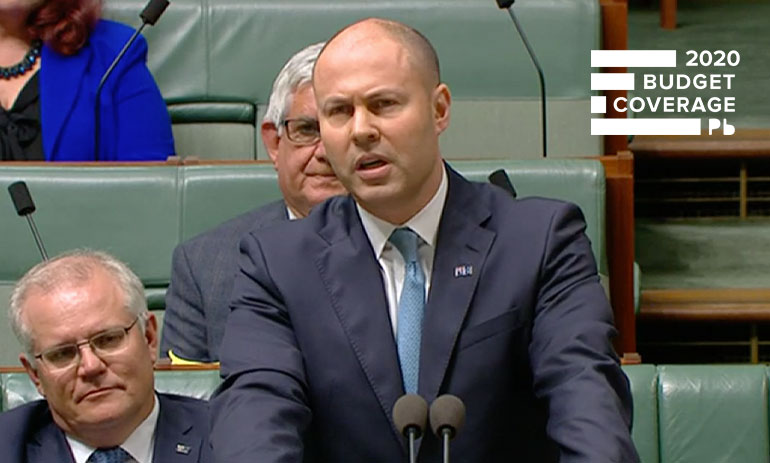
49, 445
461, 249
60, 79
175, 441
351, 274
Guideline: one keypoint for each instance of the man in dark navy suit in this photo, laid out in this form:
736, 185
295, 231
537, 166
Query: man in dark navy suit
418, 282
90, 346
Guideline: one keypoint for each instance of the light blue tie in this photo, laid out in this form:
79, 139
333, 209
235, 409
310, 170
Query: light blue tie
111, 455
411, 306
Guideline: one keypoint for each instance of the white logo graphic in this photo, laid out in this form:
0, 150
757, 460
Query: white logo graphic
679, 105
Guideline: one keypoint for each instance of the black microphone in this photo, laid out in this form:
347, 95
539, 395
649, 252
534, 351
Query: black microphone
447, 416
500, 178
24, 205
410, 413
150, 16
506, 4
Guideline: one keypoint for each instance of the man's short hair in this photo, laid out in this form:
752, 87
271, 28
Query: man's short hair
71, 269
296, 72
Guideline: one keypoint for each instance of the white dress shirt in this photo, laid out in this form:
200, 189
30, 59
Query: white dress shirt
392, 266
139, 444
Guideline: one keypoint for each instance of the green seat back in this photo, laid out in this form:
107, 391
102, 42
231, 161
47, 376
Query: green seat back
207, 55
17, 389
711, 413
212, 194
644, 388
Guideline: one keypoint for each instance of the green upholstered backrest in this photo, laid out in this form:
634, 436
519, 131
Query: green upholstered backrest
18, 389
131, 212
580, 181
714, 413
215, 62
214, 193
644, 388
141, 212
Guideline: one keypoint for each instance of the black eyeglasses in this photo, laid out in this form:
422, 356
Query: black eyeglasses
302, 131
105, 343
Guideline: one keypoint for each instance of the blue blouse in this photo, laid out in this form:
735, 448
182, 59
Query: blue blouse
135, 125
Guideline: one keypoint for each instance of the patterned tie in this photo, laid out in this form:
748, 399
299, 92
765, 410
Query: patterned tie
411, 306
110, 455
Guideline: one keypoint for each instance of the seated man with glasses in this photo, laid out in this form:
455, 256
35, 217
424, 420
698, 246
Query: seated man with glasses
90, 347
203, 268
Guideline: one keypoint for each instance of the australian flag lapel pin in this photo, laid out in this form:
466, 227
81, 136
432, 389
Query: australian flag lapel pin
463, 271
183, 449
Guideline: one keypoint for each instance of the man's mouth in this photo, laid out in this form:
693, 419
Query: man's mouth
372, 163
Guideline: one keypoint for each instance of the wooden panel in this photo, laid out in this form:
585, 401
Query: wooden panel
732, 304
745, 143
619, 171
668, 14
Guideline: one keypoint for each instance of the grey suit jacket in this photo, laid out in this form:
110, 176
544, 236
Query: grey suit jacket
516, 324
202, 272
29, 434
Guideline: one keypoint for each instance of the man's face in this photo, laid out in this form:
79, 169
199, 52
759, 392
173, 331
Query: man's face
304, 175
380, 117
108, 393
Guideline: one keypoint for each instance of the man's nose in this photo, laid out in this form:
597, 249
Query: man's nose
364, 131
90, 363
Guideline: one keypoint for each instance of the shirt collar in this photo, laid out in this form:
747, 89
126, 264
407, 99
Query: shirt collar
139, 444
424, 223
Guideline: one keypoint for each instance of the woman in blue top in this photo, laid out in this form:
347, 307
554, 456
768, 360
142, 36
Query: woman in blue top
52, 55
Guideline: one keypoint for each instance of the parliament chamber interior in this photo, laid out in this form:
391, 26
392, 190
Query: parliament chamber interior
679, 225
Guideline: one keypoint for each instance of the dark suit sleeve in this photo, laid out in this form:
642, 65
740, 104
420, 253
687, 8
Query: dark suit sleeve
573, 362
184, 321
261, 411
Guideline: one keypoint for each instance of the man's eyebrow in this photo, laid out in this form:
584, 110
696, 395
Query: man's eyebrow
334, 101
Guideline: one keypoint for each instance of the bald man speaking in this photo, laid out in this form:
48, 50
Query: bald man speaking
417, 282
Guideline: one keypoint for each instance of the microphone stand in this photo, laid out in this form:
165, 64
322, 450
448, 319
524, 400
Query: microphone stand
508, 5
412, 445
150, 16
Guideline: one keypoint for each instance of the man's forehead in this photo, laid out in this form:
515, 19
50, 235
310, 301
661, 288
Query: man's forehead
361, 38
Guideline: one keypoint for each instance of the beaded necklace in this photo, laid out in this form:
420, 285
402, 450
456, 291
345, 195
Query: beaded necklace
23, 66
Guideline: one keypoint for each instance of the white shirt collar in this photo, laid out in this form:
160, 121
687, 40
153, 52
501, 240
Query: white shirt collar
425, 223
291, 214
139, 444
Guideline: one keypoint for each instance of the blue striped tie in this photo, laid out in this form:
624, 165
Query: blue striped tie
411, 306
110, 455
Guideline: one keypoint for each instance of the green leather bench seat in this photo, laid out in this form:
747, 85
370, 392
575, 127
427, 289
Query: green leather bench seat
17, 388
211, 56
700, 413
141, 212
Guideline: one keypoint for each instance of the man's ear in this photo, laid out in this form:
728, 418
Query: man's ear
32, 373
442, 101
151, 335
271, 140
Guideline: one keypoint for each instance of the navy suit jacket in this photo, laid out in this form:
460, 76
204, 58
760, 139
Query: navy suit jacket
29, 434
310, 364
202, 273
135, 125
